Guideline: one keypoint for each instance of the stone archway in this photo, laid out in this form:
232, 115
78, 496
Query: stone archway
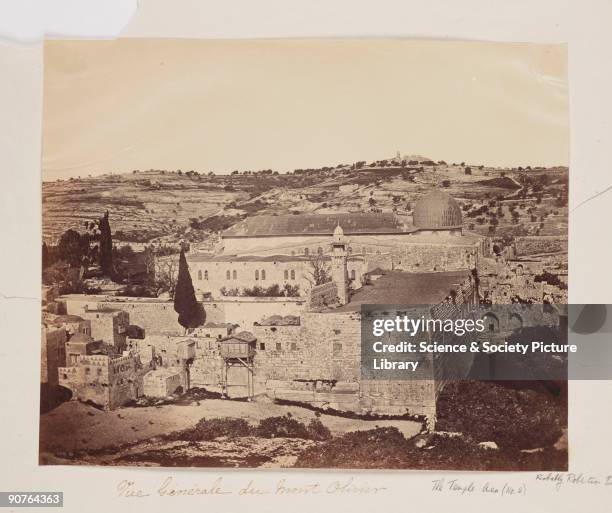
515, 322
491, 322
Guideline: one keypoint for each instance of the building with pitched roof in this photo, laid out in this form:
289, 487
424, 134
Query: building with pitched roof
263, 251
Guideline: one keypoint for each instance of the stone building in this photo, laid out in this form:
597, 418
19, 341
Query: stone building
279, 250
109, 325
81, 344
53, 353
73, 324
436, 214
175, 353
161, 382
108, 380
215, 330
223, 275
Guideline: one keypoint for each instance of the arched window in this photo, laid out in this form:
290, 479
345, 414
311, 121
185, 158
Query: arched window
286, 274
263, 274
256, 274
352, 274
235, 275
200, 275
206, 275
292, 274
227, 275
306, 251
319, 250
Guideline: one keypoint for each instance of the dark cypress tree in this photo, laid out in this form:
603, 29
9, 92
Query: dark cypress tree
106, 246
191, 313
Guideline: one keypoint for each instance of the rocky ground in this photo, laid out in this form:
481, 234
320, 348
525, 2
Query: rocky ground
76, 433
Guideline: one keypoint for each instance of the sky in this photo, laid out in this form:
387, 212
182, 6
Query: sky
125, 104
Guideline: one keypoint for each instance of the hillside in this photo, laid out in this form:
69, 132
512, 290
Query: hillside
167, 206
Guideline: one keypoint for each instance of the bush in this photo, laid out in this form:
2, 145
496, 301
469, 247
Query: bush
215, 428
286, 427
386, 448
376, 448
291, 290
513, 419
271, 291
271, 427
317, 431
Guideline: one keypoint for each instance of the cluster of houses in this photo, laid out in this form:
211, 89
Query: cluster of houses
99, 357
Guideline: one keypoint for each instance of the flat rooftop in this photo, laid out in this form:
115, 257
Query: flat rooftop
398, 287
317, 224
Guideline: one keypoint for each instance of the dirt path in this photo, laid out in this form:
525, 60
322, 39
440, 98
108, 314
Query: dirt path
75, 425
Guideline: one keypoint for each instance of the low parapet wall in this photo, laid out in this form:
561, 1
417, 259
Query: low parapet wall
158, 315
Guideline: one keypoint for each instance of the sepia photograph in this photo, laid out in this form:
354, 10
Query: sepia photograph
220, 217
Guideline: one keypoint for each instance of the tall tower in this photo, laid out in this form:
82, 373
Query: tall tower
339, 273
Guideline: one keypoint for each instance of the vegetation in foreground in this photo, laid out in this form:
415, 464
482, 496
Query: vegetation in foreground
482, 426
386, 448
271, 427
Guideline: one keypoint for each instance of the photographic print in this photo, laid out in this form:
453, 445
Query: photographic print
218, 216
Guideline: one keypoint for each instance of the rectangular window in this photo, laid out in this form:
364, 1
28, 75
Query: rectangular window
293, 346
262, 346
337, 348
278, 346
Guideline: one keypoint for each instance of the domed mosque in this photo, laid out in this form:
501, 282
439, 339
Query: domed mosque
437, 212
262, 250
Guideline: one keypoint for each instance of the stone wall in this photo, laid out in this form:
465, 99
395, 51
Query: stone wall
326, 346
425, 258
247, 311
324, 295
206, 370
158, 316
319, 363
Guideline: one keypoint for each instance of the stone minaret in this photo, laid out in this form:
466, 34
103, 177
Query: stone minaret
339, 273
